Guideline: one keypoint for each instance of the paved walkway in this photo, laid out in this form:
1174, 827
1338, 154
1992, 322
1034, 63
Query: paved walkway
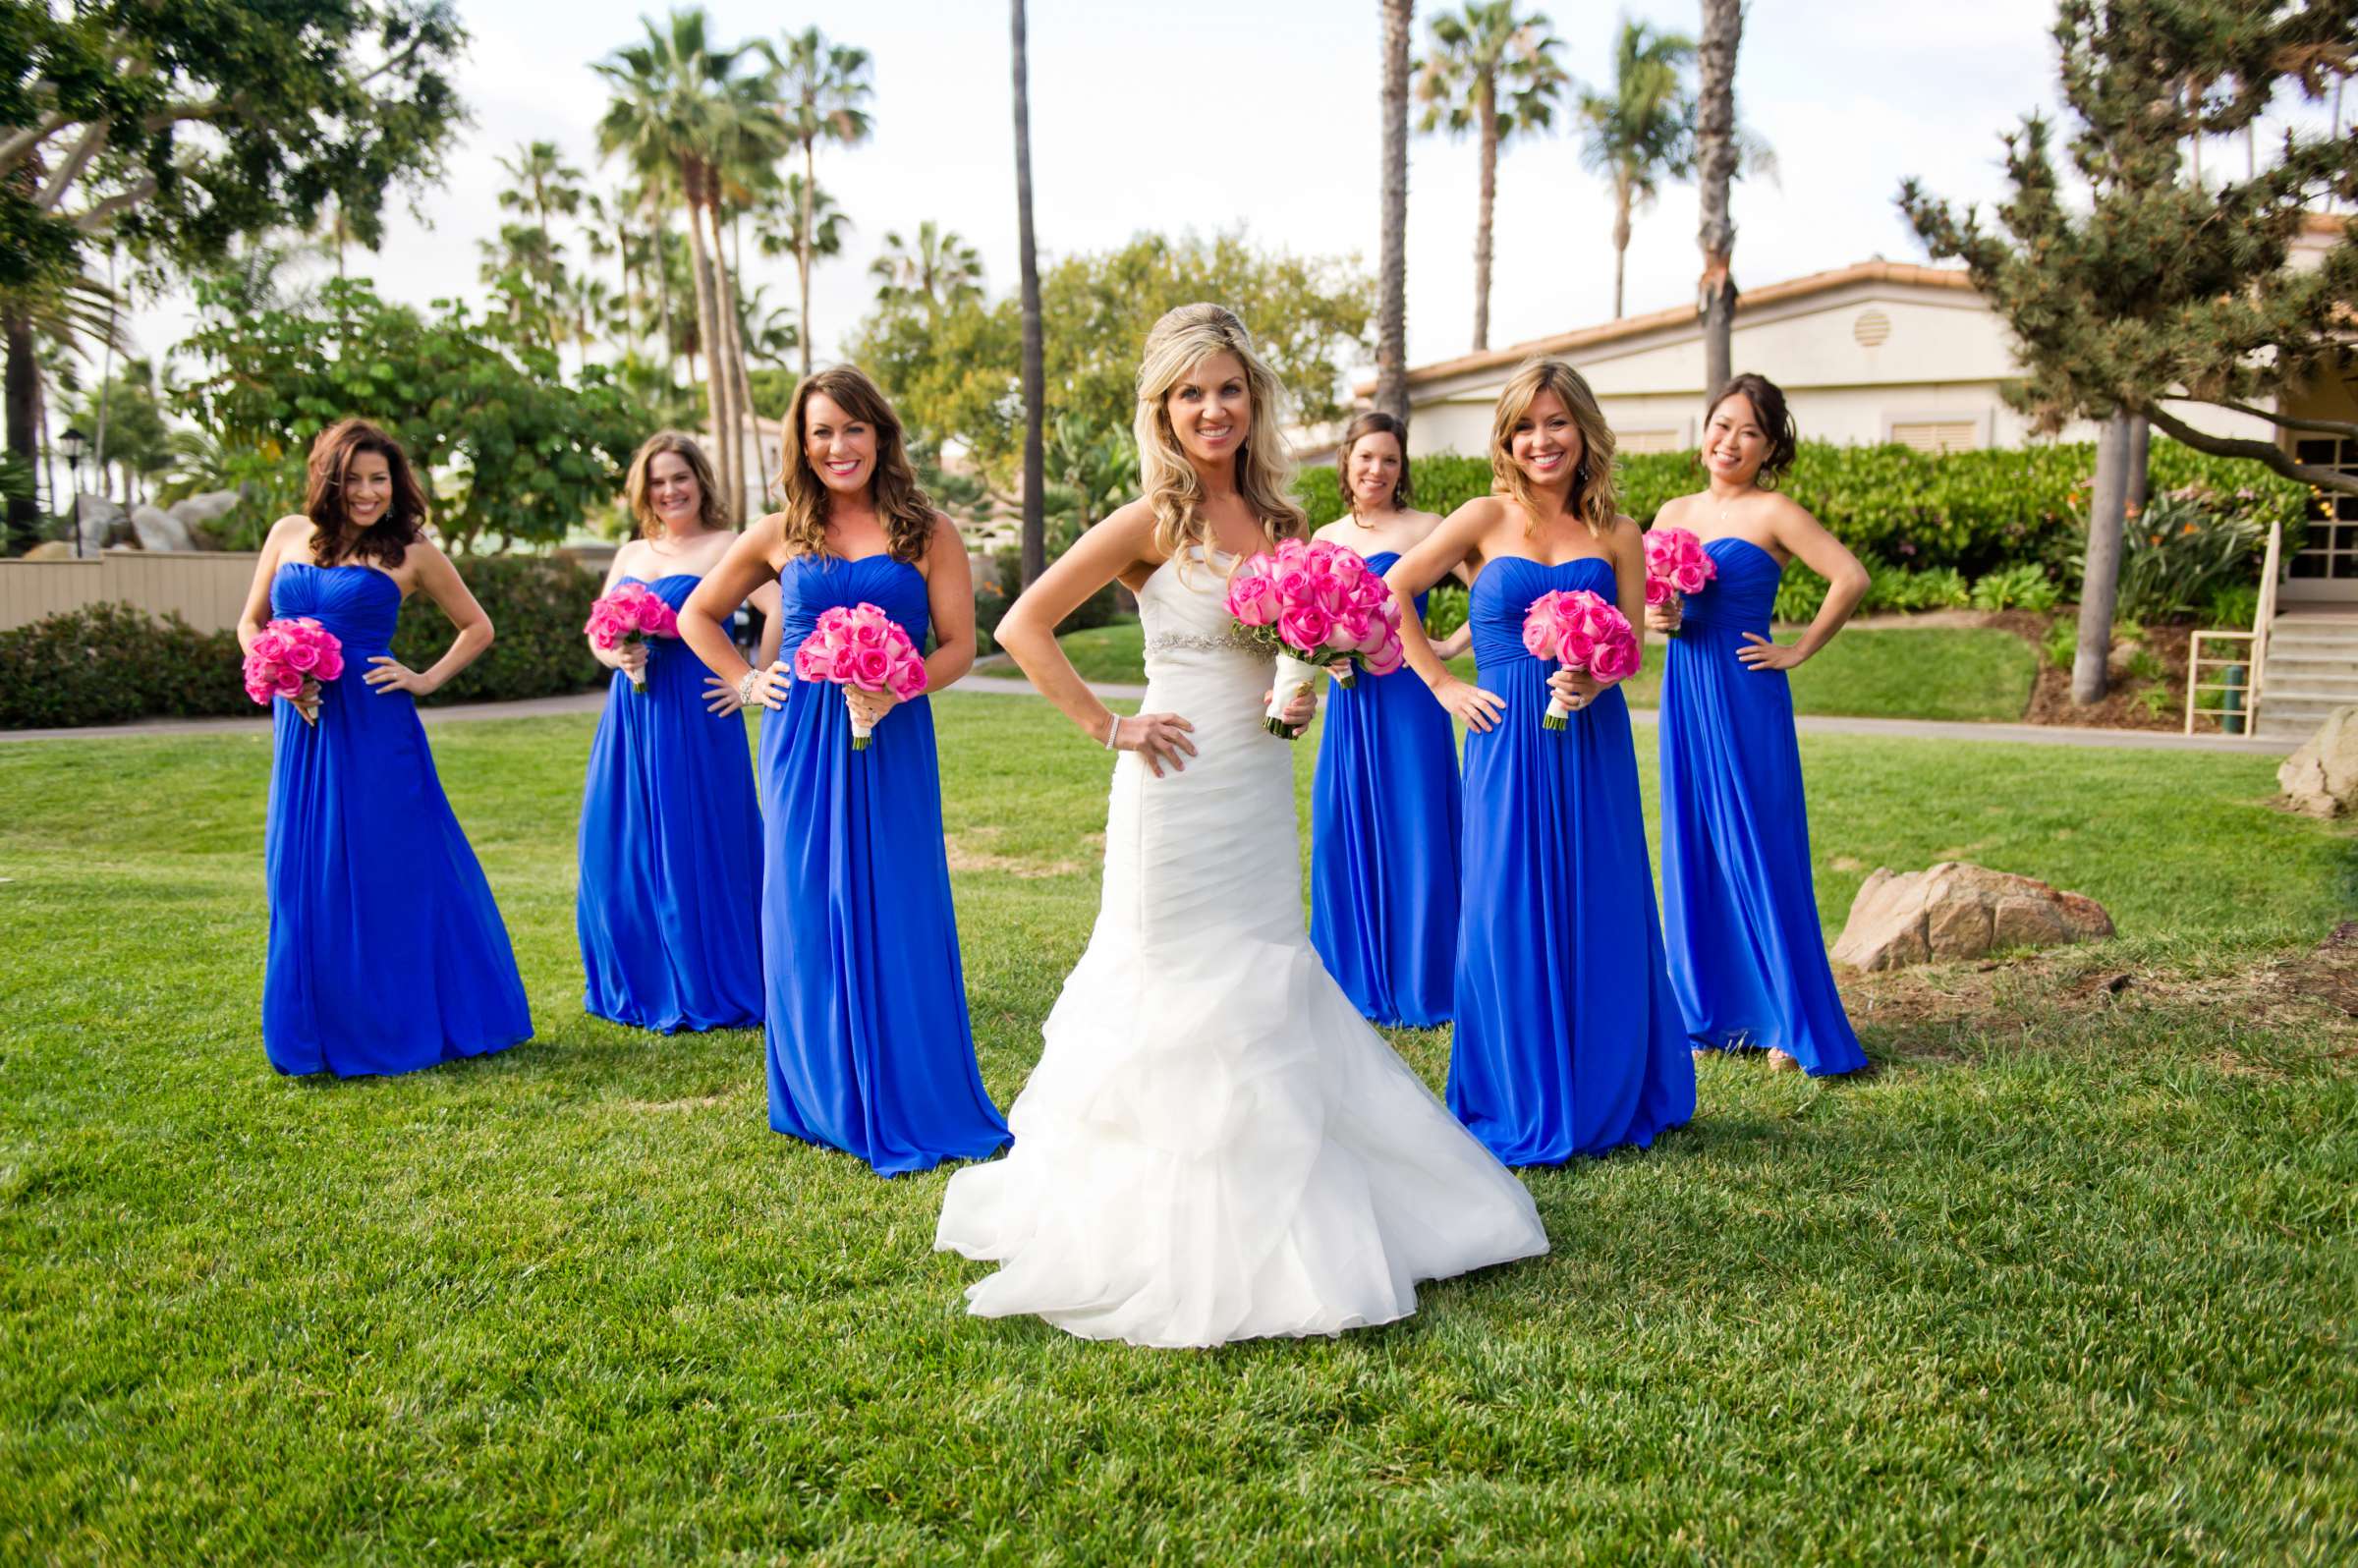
1912, 729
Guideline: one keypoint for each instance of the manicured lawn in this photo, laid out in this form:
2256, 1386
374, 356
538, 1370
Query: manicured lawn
2069, 1277
1934, 673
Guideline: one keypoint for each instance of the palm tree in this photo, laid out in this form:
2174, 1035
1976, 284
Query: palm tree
1642, 133
1494, 73
1716, 155
824, 86
686, 115
934, 273
543, 184
778, 228
1391, 265
1035, 480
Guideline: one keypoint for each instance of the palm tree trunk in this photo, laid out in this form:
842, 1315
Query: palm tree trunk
1716, 158
707, 332
20, 397
1620, 236
1485, 101
741, 386
802, 245
1391, 265
1036, 482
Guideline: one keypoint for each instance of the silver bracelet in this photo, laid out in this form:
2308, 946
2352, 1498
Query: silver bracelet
1113, 730
745, 688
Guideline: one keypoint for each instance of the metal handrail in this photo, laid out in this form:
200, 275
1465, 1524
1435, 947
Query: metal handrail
2195, 684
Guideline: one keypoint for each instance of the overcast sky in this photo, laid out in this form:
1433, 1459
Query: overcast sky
1265, 113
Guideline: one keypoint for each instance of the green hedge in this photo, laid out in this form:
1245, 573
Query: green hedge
1971, 512
111, 662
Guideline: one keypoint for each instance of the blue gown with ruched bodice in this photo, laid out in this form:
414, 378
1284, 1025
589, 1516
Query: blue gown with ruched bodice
868, 1042
669, 906
1568, 1037
1384, 853
1747, 954
386, 952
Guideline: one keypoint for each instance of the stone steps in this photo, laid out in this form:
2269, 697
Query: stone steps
2311, 670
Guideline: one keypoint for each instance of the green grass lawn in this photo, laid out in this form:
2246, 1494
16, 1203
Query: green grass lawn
1900, 672
2069, 1277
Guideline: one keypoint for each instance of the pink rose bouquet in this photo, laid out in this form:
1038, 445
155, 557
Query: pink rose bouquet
627, 613
1676, 564
1320, 608
285, 654
1583, 632
862, 647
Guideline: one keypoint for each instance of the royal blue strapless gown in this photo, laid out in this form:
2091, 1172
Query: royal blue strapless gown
670, 901
1747, 954
386, 951
869, 1047
1383, 849
1568, 1037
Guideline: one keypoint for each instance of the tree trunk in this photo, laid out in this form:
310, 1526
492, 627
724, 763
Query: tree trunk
1392, 265
671, 357
2100, 582
1486, 104
21, 396
708, 324
1717, 156
747, 455
2140, 441
1620, 235
802, 245
1036, 482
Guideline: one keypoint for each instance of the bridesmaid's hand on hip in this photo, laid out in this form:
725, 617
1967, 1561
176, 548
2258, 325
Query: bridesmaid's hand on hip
389, 674
1476, 707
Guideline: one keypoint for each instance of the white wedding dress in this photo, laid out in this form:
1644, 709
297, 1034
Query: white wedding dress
1214, 1145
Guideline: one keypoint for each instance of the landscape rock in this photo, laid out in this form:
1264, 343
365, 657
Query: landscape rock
50, 550
159, 530
101, 518
195, 511
2321, 777
1959, 910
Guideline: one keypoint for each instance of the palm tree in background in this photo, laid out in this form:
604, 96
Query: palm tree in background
1035, 483
822, 88
778, 228
936, 271
543, 184
1391, 254
1493, 73
1640, 132
1717, 154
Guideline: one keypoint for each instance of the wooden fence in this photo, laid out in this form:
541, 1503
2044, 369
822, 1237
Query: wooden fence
205, 589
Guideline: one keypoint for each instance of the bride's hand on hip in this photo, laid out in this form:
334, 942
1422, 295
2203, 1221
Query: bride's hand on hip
1158, 737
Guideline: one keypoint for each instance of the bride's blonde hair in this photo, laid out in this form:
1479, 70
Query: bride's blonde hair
1264, 466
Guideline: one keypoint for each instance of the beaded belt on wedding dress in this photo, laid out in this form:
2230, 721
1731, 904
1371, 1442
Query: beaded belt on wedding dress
1202, 643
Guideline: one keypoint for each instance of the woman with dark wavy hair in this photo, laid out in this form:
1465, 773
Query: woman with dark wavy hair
868, 1042
670, 890
1747, 954
386, 952
1384, 830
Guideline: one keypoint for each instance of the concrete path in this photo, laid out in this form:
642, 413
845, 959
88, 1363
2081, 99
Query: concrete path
1000, 686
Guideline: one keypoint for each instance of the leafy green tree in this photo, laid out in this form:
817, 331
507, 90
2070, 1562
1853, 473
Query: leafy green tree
178, 126
509, 451
825, 88
130, 441
2154, 284
1494, 73
934, 271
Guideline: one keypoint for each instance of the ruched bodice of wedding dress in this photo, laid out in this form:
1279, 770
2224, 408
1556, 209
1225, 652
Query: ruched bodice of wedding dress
1214, 1145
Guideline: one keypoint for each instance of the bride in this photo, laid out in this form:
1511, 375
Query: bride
1214, 1145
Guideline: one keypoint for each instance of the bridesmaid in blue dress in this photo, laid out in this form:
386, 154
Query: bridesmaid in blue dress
669, 905
1568, 1037
868, 1044
386, 953
1383, 849
1747, 954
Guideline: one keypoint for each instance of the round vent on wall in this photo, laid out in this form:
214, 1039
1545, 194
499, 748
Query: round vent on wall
1871, 329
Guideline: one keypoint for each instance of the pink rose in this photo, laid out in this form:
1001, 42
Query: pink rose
908, 682
1688, 577
271, 644
304, 655
1615, 658
331, 666
811, 661
1303, 626
1253, 600
1386, 658
287, 682
871, 668
1576, 647
1658, 592
1294, 586
1333, 594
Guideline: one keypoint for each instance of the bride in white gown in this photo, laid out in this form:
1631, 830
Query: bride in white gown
1214, 1145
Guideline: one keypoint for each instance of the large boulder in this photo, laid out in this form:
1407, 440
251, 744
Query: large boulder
159, 530
1960, 909
195, 511
2321, 777
100, 520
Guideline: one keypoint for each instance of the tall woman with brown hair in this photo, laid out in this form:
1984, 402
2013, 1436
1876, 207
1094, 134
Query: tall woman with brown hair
868, 1042
1568, 1038
671, 888
386, 952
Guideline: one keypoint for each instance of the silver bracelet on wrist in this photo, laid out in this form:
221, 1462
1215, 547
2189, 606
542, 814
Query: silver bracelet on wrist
1113, 730
745, 687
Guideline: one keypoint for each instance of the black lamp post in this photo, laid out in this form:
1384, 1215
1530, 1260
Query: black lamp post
74, 441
